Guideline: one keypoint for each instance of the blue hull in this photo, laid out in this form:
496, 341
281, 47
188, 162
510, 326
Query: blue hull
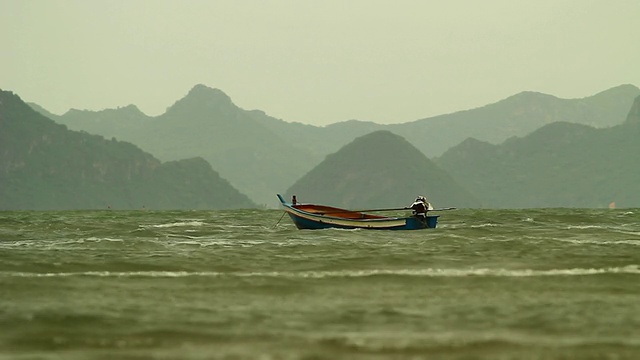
411, 223
310, 220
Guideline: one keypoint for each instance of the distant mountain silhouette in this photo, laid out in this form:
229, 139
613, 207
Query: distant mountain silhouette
206, 123
118, 123
45, 166
261, 155
559, 165
517, 115
380, 169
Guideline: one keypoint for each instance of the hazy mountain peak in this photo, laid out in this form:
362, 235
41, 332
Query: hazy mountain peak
472, 143
380, 134
529, 96
128, 110
203, 92
380, 142
378, 169
202, 97
123, 110
618, 91
131, 108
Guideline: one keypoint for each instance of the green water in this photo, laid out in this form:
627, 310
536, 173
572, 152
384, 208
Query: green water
488, 284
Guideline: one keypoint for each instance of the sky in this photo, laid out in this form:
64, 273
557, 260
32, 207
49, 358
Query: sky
315, 62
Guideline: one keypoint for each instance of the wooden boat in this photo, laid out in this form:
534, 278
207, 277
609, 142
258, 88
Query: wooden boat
310, 216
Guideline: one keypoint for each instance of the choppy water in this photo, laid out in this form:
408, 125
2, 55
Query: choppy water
493, 284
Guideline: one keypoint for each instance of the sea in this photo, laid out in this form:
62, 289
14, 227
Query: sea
246, 284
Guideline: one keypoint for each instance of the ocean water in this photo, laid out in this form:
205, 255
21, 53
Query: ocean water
246, 284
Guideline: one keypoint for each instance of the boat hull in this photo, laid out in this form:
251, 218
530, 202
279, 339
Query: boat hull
310, 217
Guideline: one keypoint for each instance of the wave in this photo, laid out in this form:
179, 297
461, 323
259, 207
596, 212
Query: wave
97, 239
175, 224
483, 225
461, 340
600, 242
57, 244
430, 272
582, 227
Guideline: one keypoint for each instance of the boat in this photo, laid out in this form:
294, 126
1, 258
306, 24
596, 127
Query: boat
311, 216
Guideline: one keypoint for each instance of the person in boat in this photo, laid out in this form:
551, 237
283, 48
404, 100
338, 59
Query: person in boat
420, 207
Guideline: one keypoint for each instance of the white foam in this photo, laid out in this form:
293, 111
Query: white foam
581, 227
484, 225
96, 239
111, 274
429, 272
177, 224
601, 242
630, 269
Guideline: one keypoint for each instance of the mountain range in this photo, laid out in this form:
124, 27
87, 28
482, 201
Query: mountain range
559, 165
45, 166
262, 155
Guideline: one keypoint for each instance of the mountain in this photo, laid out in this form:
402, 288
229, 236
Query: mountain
517, 115
45, 166
262, 155
43, 111
380, 169
116, 123
208, 124
558, 165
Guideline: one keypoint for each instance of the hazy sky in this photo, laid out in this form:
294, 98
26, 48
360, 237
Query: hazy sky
316, 62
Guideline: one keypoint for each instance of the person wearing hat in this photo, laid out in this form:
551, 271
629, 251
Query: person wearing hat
420, 207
